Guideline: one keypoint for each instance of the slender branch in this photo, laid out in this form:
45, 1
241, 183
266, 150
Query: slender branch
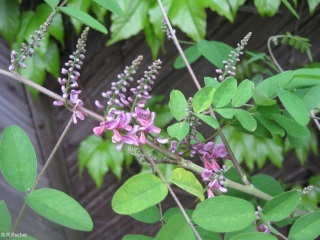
43, 170
196, 82
180, 161
271, 53
176, 42
171, 192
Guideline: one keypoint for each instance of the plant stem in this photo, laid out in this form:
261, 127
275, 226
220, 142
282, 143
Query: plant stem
171, 192
271, 53
179, 161
196, 82
58, 144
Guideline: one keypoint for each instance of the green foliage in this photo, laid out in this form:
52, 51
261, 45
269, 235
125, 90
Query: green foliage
136, 237
52, 3
179, 130
212, 122
202, 100
9, 13
149, 215
18, 159
250, 229
306, 228
176, 228
224, 93
173, 211
299, 43
60, 208
245, 119
222, 8
84, 18
138, 193
280, 207
243, 93
267, 8
178, 105
5, 220
313, 4
224, 214
187, 181
252, 149
192, 54
111, 5
254, 236
99, 156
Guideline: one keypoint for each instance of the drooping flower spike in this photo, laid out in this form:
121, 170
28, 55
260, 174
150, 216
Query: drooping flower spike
69, 83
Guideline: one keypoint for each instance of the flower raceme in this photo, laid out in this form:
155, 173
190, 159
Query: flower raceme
129, 128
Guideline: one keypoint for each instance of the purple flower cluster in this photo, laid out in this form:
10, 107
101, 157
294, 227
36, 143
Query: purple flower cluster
116, 96
129, 128
70, 81
210, 153
28, 50
230, 64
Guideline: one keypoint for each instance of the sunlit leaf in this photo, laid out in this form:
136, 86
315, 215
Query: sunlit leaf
59, 208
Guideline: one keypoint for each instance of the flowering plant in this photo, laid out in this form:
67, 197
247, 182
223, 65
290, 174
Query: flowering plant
219, 211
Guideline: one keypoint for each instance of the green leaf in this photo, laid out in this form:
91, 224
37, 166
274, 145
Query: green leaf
53, 59
267, 184
291, 126
313, 5
152, 39
131, 24
98, 156
187, 181
176, 228
5, 220
52, 3
9, 23
246, 119
214, 51
252, 228
301, 78
83, 5
56, 28
208, 235
179, 130
234, 5
221, 7
243, 93
149, 215
59, 208
84, 18
281, 206
178, 105
213, 82
310, 96
35, 71
271, 125
136, 237
224, 214
254, 236
18, 159
260, 98
211, 121
190, 17
224, 92
138, 193
202, 100
294, 105
227, 113
173, 211
288, 5
306, 228
98, 11
112, 6
267, 8
192, 54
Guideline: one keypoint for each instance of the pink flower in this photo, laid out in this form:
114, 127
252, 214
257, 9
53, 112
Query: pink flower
147, 124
